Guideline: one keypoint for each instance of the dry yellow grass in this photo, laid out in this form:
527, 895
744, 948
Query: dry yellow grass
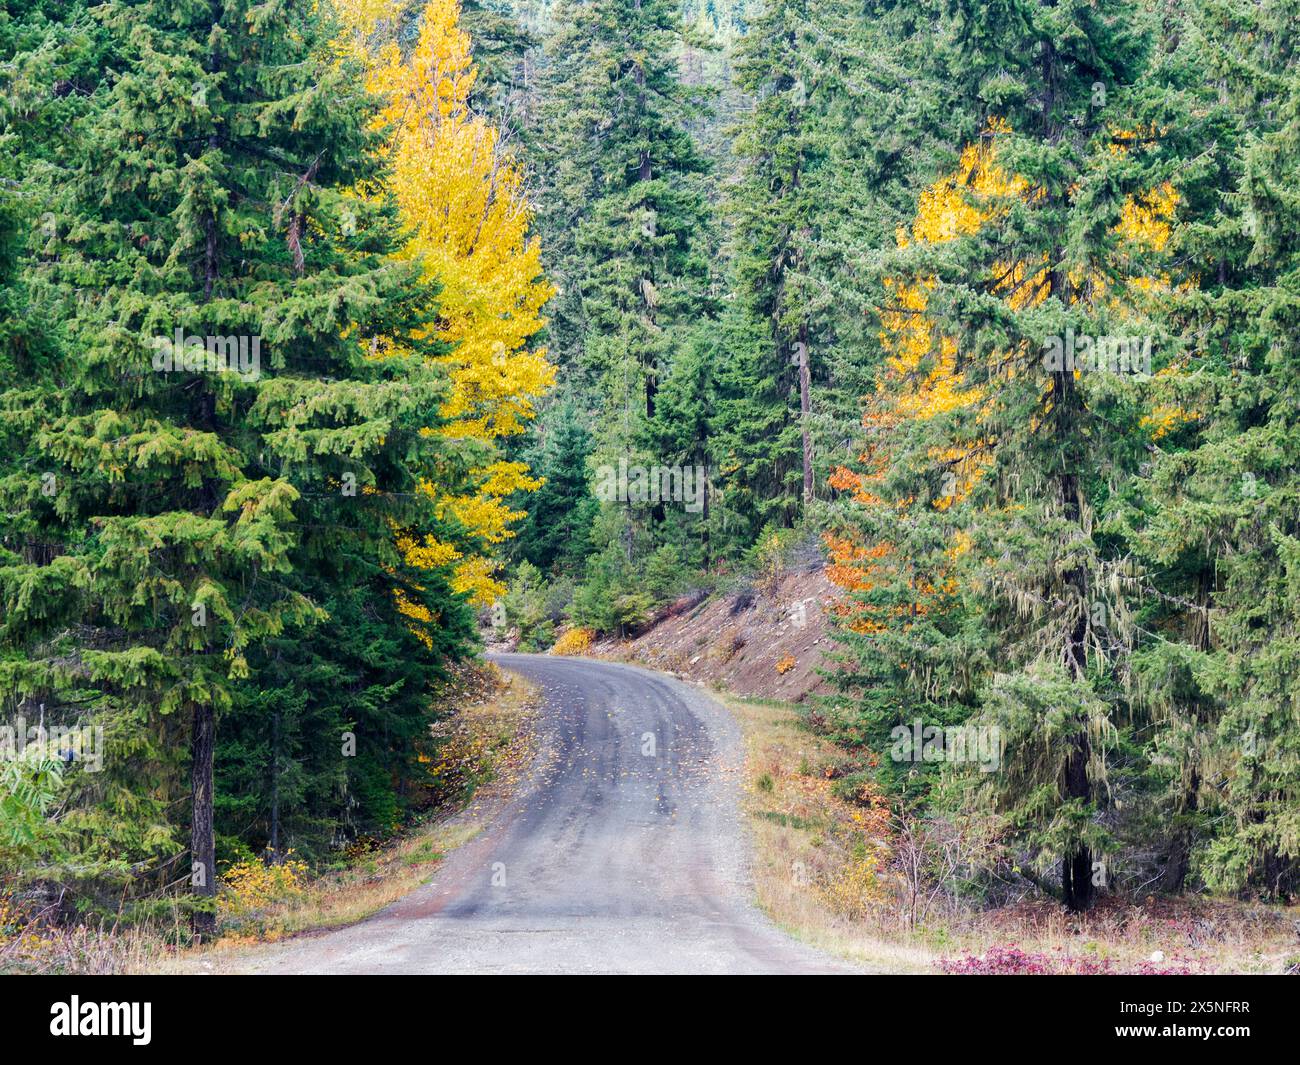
817, 864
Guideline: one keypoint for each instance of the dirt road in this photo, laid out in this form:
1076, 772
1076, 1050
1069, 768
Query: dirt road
623, 852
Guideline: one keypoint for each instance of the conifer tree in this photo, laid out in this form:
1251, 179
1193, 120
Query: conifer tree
181, 484
625, 223
1002, 456
1216, 523
766, 416
556, 534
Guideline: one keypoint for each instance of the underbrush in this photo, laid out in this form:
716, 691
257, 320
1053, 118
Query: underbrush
485, 747
1012, 961
34, 942
834, 868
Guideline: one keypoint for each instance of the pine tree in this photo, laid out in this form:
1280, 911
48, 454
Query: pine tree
998, 459
1064, 246
624, 227
1216, 523
766, 403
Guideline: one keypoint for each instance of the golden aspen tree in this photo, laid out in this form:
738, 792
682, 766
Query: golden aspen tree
460, 191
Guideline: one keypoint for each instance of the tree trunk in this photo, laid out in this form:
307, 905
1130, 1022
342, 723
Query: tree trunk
1180, 849
805, 412
1077, 888
210, 243
275, 788
704, 513
203, 848
1076, 868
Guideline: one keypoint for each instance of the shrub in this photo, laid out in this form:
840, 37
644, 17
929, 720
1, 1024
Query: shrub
526, 608
575, 641
769, 555
252, 884
854, 889
665, 574
29, 786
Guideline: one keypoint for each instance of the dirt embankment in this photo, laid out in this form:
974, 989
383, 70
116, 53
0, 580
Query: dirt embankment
764, 642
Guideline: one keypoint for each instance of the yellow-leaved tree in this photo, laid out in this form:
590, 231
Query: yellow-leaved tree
461, 194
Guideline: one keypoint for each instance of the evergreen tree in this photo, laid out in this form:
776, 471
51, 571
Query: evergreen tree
210, 199
989, 462
1061, 92
624, 226
556, 533
1216, 521
766, 403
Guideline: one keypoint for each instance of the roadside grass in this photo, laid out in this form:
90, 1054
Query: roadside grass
826, 870
1154, 934
817, 859
31, 948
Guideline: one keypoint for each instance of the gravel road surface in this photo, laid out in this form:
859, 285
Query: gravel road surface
622, 852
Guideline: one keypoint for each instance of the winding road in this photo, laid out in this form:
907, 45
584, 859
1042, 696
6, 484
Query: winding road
622, 852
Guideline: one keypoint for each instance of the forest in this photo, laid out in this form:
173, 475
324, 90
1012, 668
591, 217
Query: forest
338, 339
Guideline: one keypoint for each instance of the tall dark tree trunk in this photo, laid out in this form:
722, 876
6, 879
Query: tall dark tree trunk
1182, 832
203, 846
1077, 887
275, 788
706, 545
805, 412
1180, 847
1076, 867
203, 735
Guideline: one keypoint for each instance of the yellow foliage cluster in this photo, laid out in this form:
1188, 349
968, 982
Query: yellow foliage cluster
923, 384
576, 641
924, 379
252, 883
20, 938
857, 887
461, 193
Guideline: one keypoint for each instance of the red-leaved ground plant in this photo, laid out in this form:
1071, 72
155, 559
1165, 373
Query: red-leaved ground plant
1012, 961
